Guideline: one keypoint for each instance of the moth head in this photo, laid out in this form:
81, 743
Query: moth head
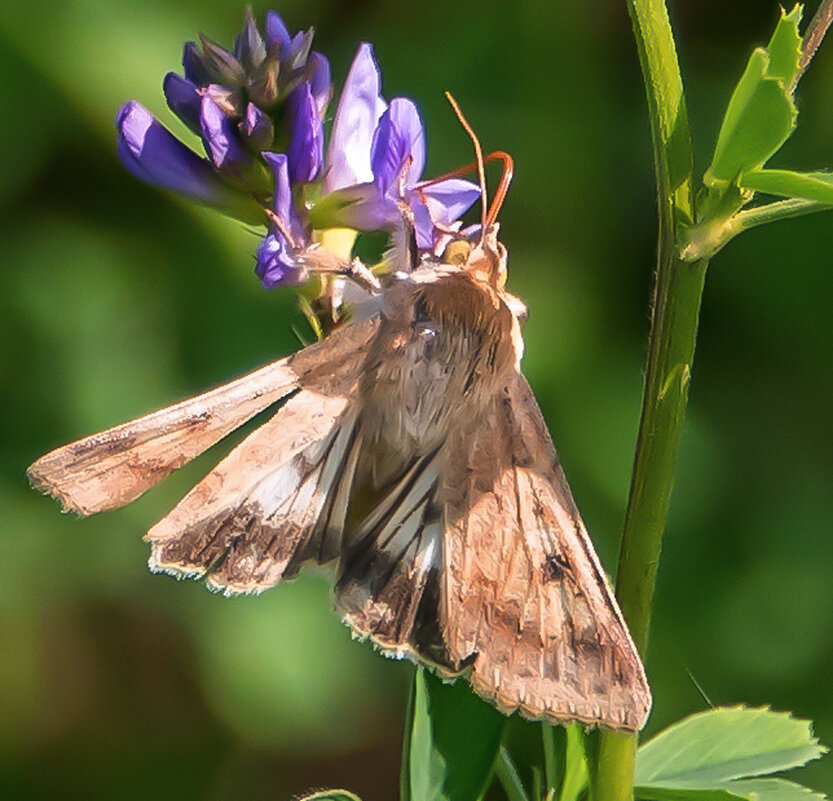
486, 260
484, 257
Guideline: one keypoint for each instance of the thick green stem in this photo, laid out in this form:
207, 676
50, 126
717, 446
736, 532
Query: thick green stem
678, 290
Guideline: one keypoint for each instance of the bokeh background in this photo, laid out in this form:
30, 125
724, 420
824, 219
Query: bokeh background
117, 299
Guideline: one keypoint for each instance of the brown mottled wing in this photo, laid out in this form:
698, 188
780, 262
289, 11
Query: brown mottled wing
280, 498
525, 599
113, 468
255, 516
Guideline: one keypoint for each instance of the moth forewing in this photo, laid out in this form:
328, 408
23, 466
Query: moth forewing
110, 469
526, 598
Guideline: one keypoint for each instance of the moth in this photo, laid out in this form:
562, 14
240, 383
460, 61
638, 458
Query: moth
411, 452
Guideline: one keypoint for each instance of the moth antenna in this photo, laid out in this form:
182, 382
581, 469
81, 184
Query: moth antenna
503, 187
478, 152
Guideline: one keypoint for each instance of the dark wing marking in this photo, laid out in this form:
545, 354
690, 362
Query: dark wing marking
524, 596
113, 468
387, 585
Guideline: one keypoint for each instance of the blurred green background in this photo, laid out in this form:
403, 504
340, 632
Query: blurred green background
117, 299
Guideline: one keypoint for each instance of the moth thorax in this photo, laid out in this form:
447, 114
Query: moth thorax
436, 363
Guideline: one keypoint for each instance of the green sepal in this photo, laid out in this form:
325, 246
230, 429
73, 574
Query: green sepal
816, 186
325, 210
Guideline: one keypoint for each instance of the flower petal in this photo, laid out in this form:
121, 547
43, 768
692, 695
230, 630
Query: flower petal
276, 32
399, 136
275, 265
306, 139
359, 109
318, 69
282, 198
151, 152
361, 206
220, 138
183, 99
256, 128
449, 200
193, 65
424, 229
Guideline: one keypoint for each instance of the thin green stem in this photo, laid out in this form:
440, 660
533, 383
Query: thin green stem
771, 212
703, 241
678, 290
507, 775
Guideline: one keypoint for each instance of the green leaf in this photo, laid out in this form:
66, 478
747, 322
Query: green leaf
761, 114
760, 118
451, 740
331, 795
710, 748
785, 46
816, 186
575, 764
747, 789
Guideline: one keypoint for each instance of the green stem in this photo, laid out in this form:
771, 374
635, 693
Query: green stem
678, 291
703, 241
771, 212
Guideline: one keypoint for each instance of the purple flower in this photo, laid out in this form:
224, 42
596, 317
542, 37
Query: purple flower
275, 266
359, 110
397, 152
306, 135
270, 92
397, 158
151, 152
232, 100
275, 258
184, 99
256, 128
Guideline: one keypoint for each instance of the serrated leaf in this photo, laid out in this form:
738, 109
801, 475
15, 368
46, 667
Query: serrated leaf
816, 186
451, 740
785, 46
710, 748
760, 117
746, 789
331, 795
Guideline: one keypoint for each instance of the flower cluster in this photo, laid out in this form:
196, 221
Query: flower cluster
260, 110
